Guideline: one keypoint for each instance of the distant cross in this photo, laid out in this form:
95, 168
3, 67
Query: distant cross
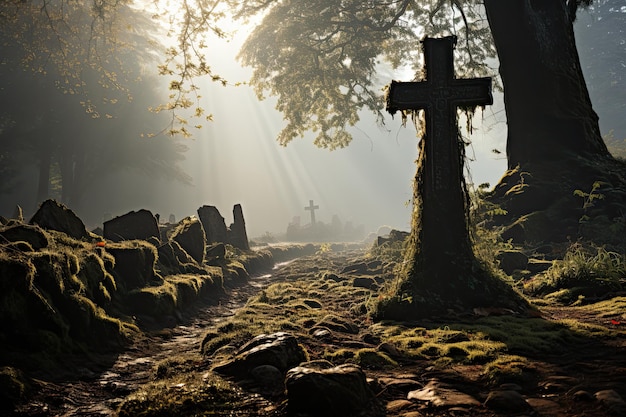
312, 208
439, 96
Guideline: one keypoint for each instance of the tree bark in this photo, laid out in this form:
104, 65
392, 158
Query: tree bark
548, 109
45, 161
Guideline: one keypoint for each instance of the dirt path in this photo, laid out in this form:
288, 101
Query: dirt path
98, 393
558, 379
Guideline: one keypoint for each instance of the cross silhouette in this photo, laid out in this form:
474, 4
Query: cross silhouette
439, 96
441, 201
312, 208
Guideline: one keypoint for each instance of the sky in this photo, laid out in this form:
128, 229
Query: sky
236, 160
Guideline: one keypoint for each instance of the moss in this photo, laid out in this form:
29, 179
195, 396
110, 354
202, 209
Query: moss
373, 359
189, 394
508, 369
156, 301
339, 356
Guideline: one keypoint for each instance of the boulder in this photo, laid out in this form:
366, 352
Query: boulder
139, 224
189, 234
280, 350
213, 223
340, 391
55, 216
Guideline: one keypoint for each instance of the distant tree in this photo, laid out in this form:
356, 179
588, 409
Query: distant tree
75, 95
601, 38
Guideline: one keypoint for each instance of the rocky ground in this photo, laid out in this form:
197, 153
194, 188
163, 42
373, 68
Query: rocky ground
563, 361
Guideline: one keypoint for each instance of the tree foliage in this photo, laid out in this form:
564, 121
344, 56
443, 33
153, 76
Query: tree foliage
75, 95
322, 59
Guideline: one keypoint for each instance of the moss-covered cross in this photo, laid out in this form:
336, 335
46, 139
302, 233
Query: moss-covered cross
439, 96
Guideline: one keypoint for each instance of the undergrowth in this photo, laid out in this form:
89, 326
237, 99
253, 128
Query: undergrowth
583, 272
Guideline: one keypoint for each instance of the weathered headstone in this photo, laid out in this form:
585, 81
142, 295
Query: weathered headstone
55, 216
442, 198
214, 224
311, 207
189, 234
139, 224
238, 235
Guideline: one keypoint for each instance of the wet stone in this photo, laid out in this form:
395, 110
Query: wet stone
439, 394
400, 384
280, 350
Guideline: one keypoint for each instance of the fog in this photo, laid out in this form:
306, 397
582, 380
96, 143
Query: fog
235, 159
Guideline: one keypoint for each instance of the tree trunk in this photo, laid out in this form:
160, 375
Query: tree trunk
548, 109
555, 151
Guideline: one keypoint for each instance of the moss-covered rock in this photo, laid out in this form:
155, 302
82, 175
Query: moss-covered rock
33, 235
189, 234
135, 263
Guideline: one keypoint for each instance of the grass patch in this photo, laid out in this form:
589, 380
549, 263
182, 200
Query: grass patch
508, 369
583, 272
184, 394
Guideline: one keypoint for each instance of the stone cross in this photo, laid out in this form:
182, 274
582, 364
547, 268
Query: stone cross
440, 96
312, 208
441, 199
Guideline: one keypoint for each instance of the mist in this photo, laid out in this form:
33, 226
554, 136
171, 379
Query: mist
235, 159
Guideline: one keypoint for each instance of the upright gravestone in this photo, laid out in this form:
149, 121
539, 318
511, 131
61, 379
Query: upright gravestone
441, 231
214, 224
140, 224
55, 216
238, 235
